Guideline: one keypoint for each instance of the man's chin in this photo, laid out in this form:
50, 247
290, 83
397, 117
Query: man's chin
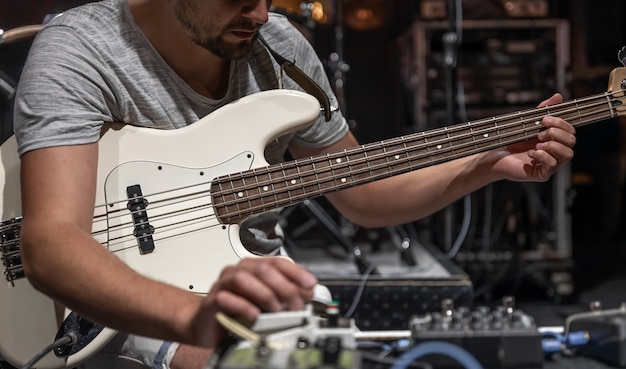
227, 51
236, 51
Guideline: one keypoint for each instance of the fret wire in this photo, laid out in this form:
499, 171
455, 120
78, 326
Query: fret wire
284, 180
246, 193
495, 122
236, 194
449, 139
368, 163
406, 154
332, 170
609, 104
350, 170
257, 189
521, 118
342, 164
386, 157
337, 166
287, 174
469, 124
317, 179
301, 181
273, 186
430, 156
224, 202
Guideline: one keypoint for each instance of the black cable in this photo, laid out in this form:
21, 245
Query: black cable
68, 339
359, 293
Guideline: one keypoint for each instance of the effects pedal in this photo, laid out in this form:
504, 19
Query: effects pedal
500, 338
296, 340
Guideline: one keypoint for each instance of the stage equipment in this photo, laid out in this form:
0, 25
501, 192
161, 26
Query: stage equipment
606, 330
305, 15
488, 9
360, 15
306, 12
386, 300
503, 66
367, 15
320, 337
501, 337
526, 8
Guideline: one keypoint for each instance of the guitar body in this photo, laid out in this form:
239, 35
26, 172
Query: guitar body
187, 246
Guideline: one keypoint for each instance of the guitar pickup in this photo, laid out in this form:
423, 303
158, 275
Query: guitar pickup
143, 231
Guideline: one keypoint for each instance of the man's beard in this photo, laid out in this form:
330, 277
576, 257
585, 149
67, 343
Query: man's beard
215, 44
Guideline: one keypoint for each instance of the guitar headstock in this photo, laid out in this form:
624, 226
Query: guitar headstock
617, 87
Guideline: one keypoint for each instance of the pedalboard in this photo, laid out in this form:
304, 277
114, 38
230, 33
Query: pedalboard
501, 337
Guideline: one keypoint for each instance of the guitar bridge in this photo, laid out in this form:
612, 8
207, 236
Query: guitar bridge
10, 250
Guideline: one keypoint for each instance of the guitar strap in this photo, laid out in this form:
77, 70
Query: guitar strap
295, 73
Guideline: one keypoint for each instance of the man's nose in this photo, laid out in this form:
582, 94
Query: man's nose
257, 10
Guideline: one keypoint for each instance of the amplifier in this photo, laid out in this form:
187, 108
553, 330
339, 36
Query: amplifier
494, 9
526, 8
388, 303
387, 300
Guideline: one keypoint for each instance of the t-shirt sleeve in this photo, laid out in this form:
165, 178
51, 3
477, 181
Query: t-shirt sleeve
61, 97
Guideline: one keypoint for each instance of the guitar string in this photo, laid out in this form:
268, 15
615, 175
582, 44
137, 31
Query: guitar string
107, 217
262, 207
254, 173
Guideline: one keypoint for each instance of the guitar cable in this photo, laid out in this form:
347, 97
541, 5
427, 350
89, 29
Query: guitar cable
69, 339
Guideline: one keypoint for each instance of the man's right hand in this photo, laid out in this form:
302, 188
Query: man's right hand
252, 286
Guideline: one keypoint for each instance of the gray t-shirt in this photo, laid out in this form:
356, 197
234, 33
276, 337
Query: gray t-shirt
93, 65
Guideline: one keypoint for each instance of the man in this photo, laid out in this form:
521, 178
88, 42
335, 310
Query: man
165, 64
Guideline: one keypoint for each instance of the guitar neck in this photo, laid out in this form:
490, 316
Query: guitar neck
237, 196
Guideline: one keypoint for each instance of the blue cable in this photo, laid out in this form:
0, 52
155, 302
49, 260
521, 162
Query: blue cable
437, 347
554, 342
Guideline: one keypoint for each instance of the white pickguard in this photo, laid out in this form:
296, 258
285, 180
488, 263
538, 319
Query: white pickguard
187, 235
